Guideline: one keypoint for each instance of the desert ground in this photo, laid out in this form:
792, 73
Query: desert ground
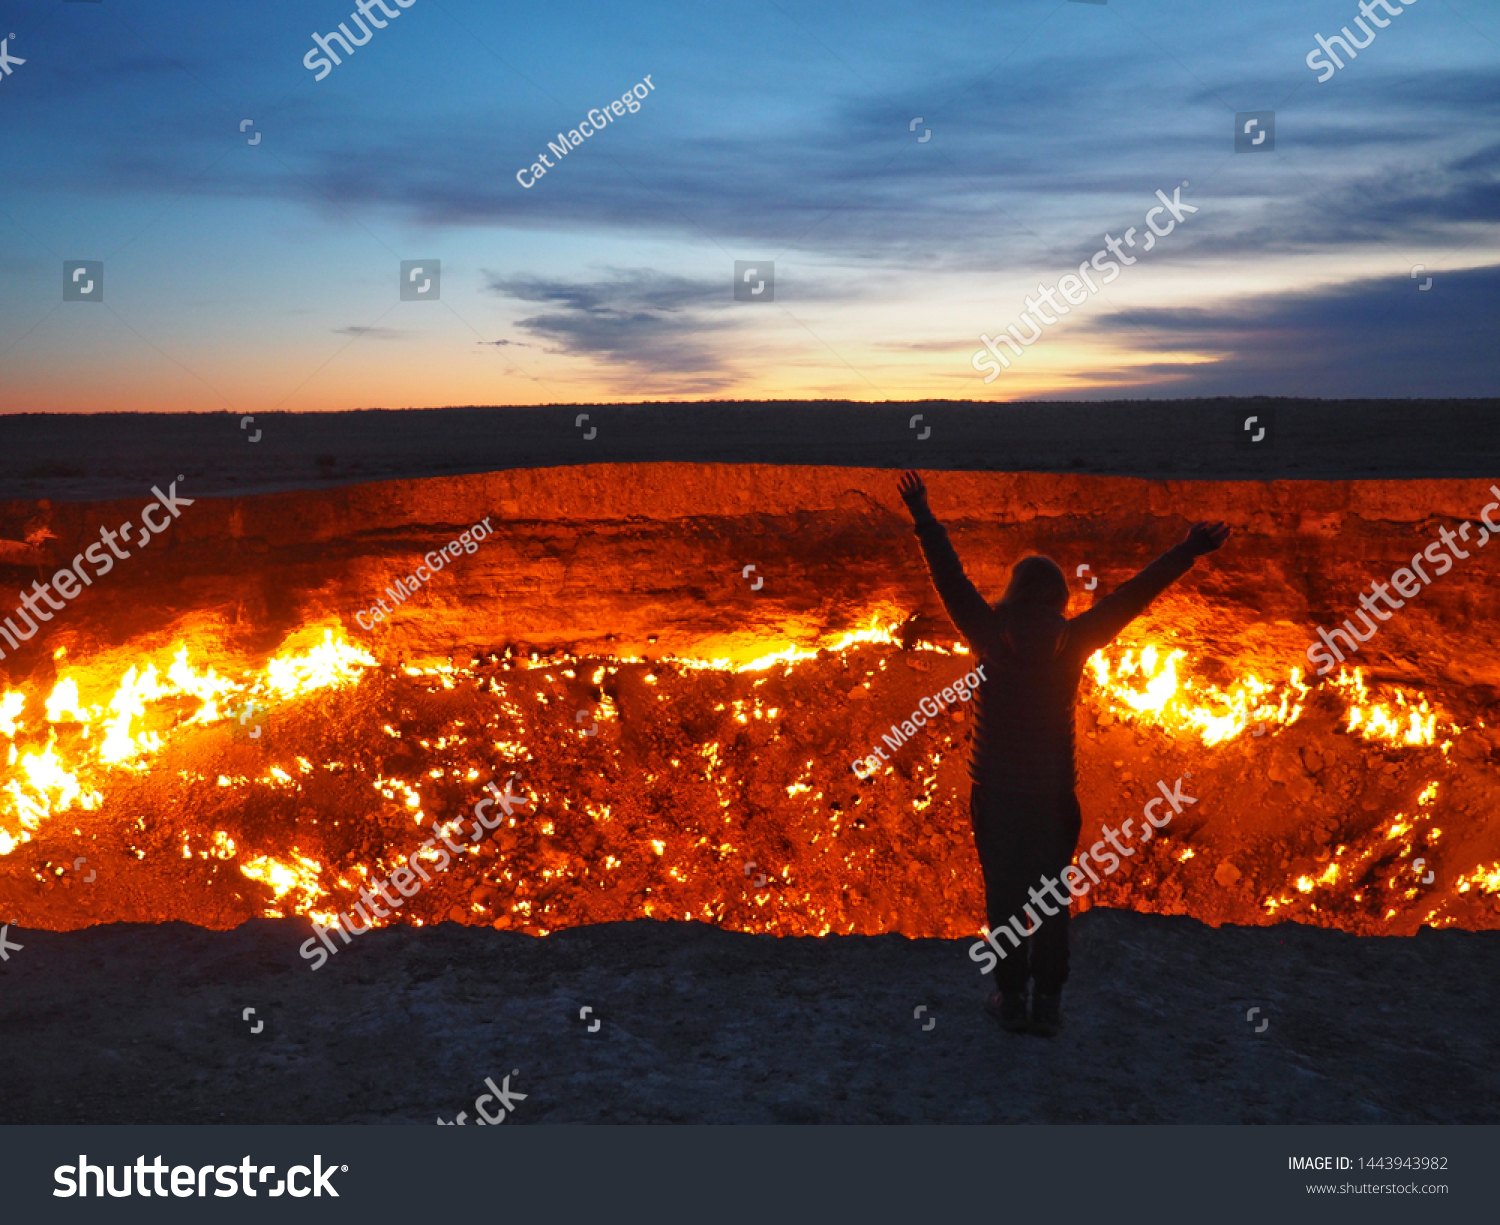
131, 1023
119, 455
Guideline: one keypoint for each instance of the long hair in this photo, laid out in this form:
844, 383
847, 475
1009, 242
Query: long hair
1037, 581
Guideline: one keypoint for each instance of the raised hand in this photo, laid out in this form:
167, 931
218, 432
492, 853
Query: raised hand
913, 493
1205, 537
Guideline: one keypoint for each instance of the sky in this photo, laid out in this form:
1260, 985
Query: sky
912, 172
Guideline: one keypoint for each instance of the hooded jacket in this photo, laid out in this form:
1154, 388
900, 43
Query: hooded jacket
1034, 657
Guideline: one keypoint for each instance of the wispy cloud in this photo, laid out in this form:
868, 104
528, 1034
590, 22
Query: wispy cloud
1377, 338
373, 333
636, 318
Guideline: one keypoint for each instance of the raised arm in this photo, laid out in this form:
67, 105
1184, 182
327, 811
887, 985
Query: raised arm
966, 607
1098, 627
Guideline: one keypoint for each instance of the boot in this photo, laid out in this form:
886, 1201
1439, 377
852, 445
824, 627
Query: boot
1009, 1007
1046, 1014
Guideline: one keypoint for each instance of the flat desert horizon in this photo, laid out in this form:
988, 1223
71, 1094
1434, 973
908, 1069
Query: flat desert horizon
83, 456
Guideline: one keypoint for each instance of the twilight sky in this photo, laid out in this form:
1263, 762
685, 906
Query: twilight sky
255, 277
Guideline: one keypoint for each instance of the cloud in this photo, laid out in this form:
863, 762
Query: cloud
373, 333
1038, 147
638, 319
1373, 338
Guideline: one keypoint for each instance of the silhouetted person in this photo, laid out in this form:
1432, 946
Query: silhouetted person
1023, 804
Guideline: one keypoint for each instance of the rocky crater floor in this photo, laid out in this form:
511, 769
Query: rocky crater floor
673, 721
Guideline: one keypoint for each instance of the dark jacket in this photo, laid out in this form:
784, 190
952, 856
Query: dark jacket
1033, 657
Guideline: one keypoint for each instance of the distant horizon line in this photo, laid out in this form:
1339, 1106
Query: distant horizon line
557, 404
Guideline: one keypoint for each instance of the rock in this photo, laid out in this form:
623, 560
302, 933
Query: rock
1226, 874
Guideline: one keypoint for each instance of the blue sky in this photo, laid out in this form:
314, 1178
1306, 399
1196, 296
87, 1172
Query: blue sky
251, 277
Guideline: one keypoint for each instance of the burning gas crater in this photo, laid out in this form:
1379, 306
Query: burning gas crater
715, 790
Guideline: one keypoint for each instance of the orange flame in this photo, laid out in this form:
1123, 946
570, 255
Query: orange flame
1147, 689
41, 784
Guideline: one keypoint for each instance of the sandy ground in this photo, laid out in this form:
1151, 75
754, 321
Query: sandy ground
142, 1024
77, 457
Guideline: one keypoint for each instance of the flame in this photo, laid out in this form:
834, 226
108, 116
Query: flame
208, 687
64, 700
65, 745
129, 703
331, 664
1413, 723
876, 632
45, 786
1147, 689
300, 878
10, 706
114, 734
1486, 879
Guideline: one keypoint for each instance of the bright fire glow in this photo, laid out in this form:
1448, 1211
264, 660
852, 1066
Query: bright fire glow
65, 744
129, 727
1405, 722
298, 878
10, 706
1486, 880
329, 665
1146, 688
